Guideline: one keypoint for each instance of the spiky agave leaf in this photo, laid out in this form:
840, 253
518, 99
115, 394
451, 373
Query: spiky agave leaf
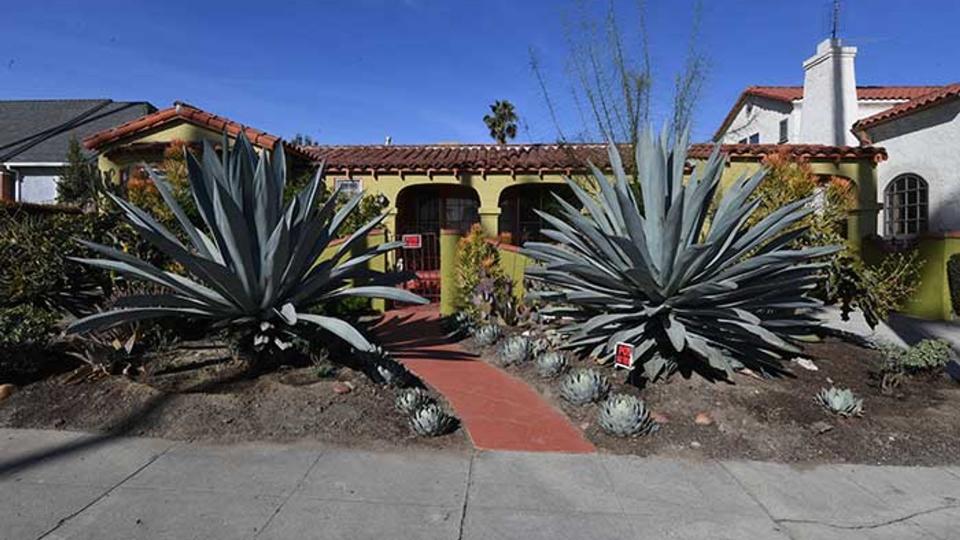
663, 274
256, 259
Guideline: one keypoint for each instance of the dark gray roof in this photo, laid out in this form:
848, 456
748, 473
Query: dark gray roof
40, 130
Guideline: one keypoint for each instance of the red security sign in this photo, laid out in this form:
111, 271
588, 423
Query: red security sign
623, 356
412, 241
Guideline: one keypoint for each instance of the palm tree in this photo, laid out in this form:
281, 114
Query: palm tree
503, 122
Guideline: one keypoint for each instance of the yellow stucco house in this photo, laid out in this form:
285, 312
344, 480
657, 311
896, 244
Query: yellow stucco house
448, 187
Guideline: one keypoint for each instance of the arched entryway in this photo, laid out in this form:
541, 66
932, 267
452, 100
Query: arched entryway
519, 221
423, 210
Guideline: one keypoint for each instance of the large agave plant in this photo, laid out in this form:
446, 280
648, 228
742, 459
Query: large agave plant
254, 264
686, 286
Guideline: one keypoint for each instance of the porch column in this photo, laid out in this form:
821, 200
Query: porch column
490, 220
449, 238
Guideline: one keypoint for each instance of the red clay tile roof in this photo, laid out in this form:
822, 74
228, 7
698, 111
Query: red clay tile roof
535, 158
187, 113
930, 99
788, 94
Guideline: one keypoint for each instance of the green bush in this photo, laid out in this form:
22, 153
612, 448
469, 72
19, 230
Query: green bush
927, 355
953, 277
876, 290
34, 265
484, 292
26, 326
25, 334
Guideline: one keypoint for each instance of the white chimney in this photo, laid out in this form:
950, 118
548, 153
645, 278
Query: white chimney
829, 95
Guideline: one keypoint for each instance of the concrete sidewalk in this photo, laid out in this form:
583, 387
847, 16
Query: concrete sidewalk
66, 485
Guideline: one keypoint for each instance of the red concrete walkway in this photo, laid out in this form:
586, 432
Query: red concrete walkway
498, 411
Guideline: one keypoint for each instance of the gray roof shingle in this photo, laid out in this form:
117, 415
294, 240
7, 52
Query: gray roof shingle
40, 130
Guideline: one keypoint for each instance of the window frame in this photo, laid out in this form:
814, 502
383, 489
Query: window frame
784, 130
906, 206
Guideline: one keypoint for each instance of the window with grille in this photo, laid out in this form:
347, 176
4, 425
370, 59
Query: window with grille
784, 130
905, 206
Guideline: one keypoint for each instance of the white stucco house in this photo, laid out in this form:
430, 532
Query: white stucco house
917, 186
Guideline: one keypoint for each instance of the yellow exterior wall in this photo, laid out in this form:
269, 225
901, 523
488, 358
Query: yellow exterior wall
932, 299
488, 189
111, 163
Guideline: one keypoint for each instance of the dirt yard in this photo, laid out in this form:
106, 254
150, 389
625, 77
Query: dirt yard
778, 420
203, 394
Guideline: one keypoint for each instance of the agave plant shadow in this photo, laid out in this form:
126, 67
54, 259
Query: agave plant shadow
417, 334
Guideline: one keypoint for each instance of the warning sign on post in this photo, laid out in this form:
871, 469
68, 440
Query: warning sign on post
412, 241
623, 357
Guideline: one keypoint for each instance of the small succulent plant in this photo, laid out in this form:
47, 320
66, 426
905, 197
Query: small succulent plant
551, 364
623, 415
840, 401
584, 386
514, 350
487, 335
430, 420
411, 399
540, 345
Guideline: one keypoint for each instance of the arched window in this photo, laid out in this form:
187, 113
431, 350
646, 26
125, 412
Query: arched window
905, 206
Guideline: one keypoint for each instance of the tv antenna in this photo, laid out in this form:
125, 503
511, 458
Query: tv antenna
835, 20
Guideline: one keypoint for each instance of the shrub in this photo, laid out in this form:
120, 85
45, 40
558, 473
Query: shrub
34, 265
953, 278
253, 268
851, 284
688, 292
926, 355
26, 326
78, 185
484, 292
25, 333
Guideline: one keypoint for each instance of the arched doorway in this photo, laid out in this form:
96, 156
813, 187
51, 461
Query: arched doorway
424, 210
519, 221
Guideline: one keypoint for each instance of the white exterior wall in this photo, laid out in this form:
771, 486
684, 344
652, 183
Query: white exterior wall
764, 118
926, 143
37, 184
872, 107
38, 189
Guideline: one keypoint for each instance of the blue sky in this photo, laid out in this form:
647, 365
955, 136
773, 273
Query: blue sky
425, 70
